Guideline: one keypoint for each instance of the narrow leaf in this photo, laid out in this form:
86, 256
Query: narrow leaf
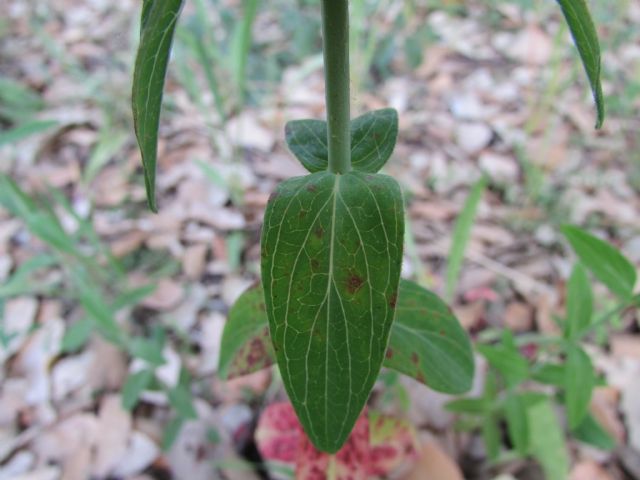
468, 405
246, 346
549, 374
76, 336
491, 436
461, 235
427, 342
546, 440
331, 255
25, 130
591, 432
604, 261
181, 399
579, 302
134, 386
511, 365
579, 382
158, 23
373, 138
517, 425
585, 36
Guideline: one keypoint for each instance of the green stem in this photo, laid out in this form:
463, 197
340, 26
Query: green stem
335, 39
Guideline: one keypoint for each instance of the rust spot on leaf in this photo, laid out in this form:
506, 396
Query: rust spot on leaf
420, 378
312, 188
393, 299
315, 264
389, 353
354, 283
319, 231
414, 358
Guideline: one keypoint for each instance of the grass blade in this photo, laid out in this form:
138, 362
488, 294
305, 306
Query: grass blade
461, 235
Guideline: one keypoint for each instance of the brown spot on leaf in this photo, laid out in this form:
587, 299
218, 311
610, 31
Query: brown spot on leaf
389, 353
319, 231
315, 264
393, 299
354, 283
312, 188
414, 358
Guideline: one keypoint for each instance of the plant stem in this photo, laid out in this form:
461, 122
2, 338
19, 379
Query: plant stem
335, 40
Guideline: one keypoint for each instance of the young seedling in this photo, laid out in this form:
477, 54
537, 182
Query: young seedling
332, 243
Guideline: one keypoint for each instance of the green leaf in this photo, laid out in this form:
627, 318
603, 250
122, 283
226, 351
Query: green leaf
584, 33
516, 414
591, 432
147, 349
331, 256
246, 346
461, 235
25, 130
427, 342
181, 399
579, 303
605, 261
171, 432
549, 374
158, 23
579, 382
511, 365
134, 386
373, 138
546, 440
76, 336
469, 405
491, 436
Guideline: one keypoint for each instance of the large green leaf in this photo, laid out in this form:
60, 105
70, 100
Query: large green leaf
546, 440
428, 343
579, 302
331, 255
246, 346
604, 261
585, 36
579, 382
373, 138
158, 23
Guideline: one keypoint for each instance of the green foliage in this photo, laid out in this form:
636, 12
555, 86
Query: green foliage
331, 254
579, 303
584, 33
373, 138
157, 25
546, 440
578, 386
426, 340
605, 261
461, 235
428, 343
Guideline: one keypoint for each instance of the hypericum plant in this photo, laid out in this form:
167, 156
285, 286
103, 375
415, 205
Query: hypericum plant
332, 241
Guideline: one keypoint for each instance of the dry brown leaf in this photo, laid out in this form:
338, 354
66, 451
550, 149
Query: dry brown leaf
434, 463
604, 407
589, 470
166, 296
194, 261
114, 424
518, 317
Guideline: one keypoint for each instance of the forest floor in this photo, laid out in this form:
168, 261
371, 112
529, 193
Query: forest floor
493, 88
